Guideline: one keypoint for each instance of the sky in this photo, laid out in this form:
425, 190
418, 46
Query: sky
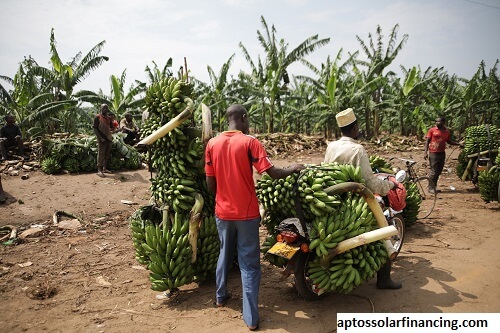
454, 34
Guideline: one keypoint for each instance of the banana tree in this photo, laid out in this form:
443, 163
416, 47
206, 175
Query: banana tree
332, 90
118, 101
474, 98
378, 60
156, 74
30, 104
62, 78
217, 94
272, 75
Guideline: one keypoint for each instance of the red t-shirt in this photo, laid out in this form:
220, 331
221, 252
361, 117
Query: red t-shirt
229, 157
438, 137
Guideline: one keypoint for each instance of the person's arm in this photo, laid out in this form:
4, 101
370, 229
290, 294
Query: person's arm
212, 184
97, 132
426, 147
454, 143
277, 173
373, 183
19, 134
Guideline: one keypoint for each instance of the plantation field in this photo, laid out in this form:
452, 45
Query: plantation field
87, 280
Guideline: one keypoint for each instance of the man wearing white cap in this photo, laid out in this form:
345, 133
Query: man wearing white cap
347, 151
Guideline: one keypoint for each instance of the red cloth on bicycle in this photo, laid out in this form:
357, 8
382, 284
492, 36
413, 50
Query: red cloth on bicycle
230, 158
438, 137
397, 195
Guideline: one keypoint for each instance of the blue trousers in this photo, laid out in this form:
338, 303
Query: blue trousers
245, 236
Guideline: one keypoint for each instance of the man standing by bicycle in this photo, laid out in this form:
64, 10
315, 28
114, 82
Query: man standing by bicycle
435, 145
347, 151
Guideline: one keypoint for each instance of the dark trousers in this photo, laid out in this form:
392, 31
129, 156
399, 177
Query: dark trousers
436, 161
6, 144
103, 153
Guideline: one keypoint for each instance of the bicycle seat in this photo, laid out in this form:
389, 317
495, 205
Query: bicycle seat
408, 162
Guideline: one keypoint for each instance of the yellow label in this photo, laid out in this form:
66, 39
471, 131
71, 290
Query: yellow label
283, 250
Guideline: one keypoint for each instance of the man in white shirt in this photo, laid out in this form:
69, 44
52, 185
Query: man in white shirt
347, 151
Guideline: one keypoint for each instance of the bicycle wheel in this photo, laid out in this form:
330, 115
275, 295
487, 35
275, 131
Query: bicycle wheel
428, 200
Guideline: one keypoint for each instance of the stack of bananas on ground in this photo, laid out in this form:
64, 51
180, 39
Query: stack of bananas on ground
489, 181
478, 139
413, 199
179, 243
330, 219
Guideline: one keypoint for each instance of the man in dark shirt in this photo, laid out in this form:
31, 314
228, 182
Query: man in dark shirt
10, 135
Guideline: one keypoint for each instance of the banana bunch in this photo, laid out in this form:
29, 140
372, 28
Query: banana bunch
380, 164
208, 249
488, 184
279, 195
70, 164
133, 162
352, 218
181, 244
179, 193
50, 165
481, 137
477, 139
141, 218
349, 269
170, 254
166, 97
413, 201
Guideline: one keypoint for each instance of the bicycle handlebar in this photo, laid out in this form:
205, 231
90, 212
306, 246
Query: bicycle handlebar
408, 162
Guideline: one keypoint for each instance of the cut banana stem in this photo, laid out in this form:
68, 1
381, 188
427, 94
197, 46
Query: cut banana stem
366, 238
168, 127
206, 116
194, 225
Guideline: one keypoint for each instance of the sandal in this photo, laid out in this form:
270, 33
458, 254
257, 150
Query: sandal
100, 174
107, 171
224, 301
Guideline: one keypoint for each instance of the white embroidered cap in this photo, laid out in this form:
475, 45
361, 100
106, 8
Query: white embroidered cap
345, 117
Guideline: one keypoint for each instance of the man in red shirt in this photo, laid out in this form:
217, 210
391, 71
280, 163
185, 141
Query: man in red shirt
435, 144
229, 161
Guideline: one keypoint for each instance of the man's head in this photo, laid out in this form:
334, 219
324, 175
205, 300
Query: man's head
128, 117
104, 109
9, 119
237, 118
348, 124
440, 121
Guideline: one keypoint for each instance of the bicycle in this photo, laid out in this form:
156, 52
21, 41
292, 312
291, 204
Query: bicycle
423, 183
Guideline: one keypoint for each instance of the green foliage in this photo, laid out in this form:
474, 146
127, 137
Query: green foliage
44, 101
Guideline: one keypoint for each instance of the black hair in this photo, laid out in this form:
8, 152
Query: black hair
348, 128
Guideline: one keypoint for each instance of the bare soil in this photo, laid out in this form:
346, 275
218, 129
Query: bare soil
87, 280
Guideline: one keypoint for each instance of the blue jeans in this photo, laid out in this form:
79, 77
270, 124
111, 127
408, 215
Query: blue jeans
245, 235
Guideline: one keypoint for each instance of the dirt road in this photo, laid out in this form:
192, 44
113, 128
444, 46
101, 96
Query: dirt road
87, 280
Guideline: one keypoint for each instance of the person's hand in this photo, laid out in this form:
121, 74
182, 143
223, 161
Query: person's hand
297, 167
103, 140
17, 137
426, 155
